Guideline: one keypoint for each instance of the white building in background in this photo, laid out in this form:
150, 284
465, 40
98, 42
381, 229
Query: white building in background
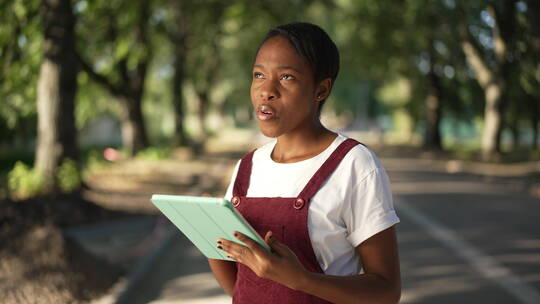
102, 131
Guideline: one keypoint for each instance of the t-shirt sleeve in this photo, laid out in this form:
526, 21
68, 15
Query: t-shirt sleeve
229, 192
371, 208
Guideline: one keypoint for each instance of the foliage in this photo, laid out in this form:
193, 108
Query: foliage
383, 44
24, 181
154, 153
92, 161
68, 176
20, 43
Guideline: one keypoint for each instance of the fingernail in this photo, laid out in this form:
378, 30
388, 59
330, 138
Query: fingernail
220, 247
235, 234
219, 242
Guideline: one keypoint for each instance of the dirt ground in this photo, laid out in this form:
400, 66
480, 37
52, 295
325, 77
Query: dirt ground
39, 263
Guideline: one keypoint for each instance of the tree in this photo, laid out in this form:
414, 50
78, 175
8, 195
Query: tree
178, 36
124, 64
207, 58
492, 75
194, 31
433, 107
531, 84
534, 20
428, 20
57, 86
410, 40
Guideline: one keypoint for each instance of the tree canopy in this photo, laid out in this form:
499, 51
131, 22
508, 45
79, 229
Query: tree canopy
438, 65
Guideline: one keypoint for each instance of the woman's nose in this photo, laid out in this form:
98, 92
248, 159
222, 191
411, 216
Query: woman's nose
269, 91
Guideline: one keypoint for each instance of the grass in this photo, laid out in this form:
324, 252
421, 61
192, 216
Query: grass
91, 160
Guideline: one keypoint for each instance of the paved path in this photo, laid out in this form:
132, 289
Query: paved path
462, 240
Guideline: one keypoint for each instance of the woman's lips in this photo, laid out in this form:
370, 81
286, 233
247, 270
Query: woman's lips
265, 112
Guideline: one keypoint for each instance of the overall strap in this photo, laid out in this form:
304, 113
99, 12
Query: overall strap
241, 182
326, 169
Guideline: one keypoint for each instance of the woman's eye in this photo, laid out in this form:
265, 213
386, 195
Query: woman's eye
257, 75
287, 77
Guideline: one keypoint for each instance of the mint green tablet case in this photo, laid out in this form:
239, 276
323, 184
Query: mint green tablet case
205, 219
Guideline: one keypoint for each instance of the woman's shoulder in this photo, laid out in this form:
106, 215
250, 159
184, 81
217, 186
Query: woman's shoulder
361, 159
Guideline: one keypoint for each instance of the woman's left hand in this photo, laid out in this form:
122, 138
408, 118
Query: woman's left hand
280, 265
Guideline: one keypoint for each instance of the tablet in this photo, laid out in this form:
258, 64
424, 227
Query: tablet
205, 219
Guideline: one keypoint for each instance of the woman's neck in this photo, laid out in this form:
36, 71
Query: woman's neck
300, 146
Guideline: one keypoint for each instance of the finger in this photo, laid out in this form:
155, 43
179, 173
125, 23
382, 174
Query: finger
229, 246
250, 243
234, 250
268, 236
277, 246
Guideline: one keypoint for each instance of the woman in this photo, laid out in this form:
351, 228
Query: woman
322, 201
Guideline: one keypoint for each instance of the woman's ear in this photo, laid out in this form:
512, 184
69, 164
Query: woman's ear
323, 89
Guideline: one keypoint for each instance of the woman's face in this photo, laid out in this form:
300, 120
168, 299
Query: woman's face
282, 89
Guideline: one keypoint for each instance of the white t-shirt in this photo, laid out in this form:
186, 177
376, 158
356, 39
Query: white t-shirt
354, 203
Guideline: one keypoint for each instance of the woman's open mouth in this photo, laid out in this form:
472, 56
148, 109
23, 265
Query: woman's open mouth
265, 112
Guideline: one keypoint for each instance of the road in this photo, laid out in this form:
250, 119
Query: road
463, 238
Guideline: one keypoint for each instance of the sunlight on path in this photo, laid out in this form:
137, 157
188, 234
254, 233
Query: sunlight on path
200, 288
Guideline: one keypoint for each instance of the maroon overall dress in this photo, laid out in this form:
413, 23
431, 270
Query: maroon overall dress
287, 218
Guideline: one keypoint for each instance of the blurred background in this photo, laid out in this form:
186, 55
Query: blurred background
104, 102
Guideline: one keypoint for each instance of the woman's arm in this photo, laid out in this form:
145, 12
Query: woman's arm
225, 273
380, 282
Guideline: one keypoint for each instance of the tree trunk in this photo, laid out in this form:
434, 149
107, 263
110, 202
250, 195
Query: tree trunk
180, 135
57, 85
534, 19
493, 79
496, 90
534, 122
204, 103
432, 138
134, 136
211, 68
493, 122
535, 118
178, 38
514, 130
